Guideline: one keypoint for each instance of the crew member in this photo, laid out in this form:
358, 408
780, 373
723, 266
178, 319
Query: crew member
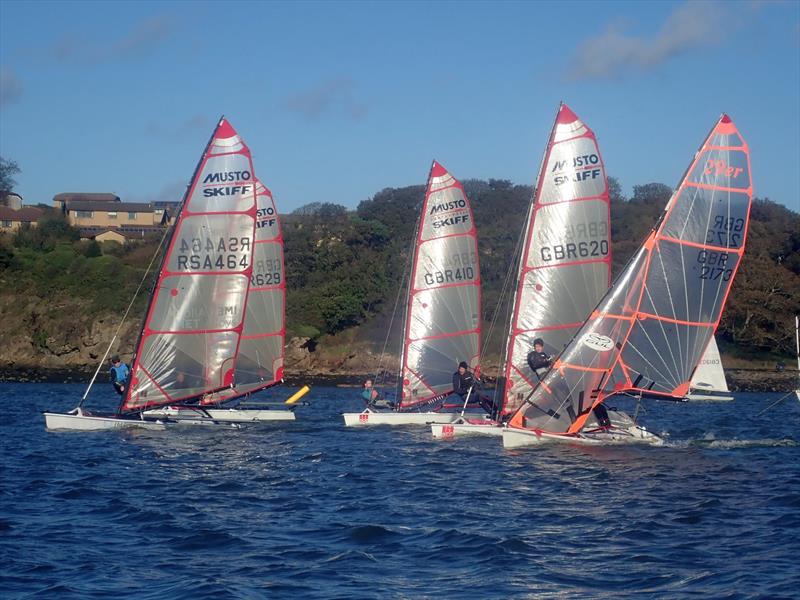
464, 381
373, 397
538, 360
119, 372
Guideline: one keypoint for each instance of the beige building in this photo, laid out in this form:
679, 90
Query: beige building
11, 219
121, 235
114, 214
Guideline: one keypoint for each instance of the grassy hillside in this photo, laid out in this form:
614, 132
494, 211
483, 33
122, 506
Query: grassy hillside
62, 299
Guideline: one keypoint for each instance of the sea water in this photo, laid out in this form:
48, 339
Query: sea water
312, 509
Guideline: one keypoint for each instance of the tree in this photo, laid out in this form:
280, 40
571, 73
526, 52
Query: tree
8, 168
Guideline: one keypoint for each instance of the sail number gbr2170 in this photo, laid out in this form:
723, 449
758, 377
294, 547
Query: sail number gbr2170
213, 254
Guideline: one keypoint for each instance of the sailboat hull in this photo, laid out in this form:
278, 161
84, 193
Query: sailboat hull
83, 421
369, 417
466, 427
224, 415
520, 438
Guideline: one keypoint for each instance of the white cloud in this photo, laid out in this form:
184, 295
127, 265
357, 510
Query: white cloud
615, 52
331, 96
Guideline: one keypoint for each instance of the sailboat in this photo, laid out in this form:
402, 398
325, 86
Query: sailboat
708, 381
259, 362
443, 312
565, 265
192, 335
648, 333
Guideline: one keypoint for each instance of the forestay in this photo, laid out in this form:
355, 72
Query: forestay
651, 328
443, 313
191, 334
565, 266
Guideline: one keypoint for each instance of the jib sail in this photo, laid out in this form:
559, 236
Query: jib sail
444, 304
652, 327
565, 267
191, 334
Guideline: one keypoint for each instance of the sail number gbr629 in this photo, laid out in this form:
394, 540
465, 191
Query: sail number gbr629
213, 254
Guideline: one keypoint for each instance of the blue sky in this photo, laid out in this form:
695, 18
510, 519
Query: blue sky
338, 100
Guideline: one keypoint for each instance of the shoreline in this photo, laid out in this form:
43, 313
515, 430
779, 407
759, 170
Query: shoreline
739, 380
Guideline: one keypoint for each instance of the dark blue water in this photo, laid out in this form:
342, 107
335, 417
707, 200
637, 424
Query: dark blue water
314, 510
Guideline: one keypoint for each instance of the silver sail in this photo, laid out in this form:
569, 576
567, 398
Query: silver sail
650, 330
191, 333
444, 307
566, 261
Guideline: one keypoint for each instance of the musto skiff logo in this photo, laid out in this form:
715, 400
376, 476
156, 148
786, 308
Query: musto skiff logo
213, 253
458, 206
236, 178
584, 168
595, 341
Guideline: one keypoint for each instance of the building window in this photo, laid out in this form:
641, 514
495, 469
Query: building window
132, 216
112, 215
83, 214
6, 223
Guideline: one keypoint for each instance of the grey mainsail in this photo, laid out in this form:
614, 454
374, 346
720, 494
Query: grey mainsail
191, 334
565, 267
444, 305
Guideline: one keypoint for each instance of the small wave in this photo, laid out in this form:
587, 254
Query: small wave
735, 444
368, 534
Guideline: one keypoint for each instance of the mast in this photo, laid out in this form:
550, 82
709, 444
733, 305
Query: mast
650, 329
190, 336
566, 259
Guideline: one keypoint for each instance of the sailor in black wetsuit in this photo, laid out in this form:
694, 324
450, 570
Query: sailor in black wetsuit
538, 361
463, 381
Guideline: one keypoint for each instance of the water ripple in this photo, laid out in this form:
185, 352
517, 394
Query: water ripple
311, 509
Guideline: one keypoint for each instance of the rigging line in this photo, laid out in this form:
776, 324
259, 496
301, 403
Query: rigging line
124, 316
786, 395
501, 300
405, 280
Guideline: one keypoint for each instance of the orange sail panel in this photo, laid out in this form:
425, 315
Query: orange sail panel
191, 334
652, 327
565, 267
444, 304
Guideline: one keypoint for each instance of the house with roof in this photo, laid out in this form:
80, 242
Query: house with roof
12, 219
121, 235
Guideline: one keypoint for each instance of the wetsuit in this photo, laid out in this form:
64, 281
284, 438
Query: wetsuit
462, 385
539, 363
119, 377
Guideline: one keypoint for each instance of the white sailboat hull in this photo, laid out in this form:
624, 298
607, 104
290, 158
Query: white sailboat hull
82, 421
224, 415
519, 438
369, 417
447, 431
